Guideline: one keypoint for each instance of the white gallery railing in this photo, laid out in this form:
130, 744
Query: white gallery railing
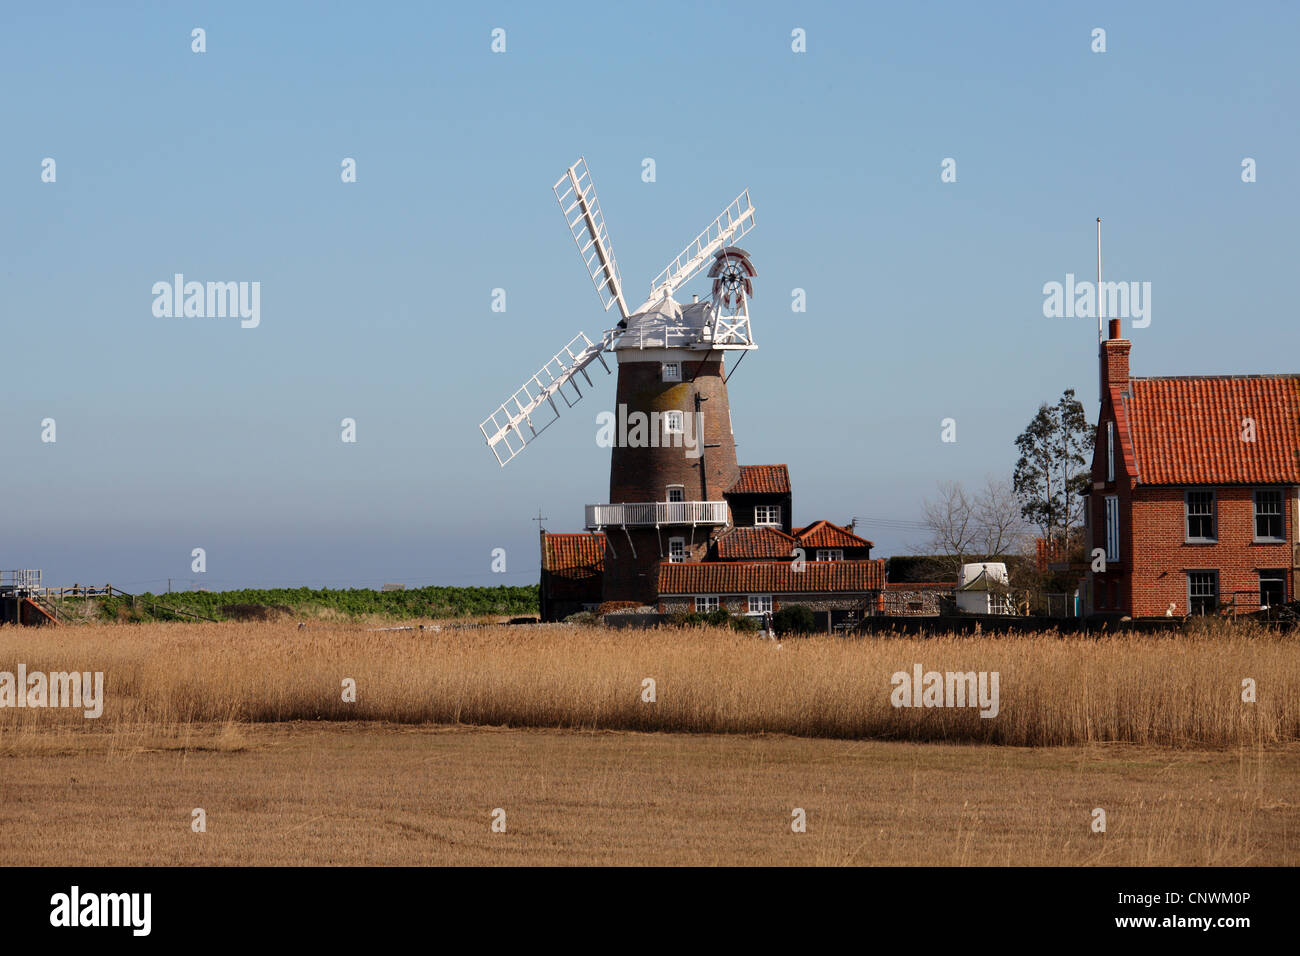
657, 513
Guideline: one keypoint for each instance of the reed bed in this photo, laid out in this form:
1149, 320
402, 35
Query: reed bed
1177, 691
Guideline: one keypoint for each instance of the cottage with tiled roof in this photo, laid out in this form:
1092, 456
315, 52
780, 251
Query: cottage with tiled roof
824, 541
1195, 499
753, 544
840, 591
759, 563
754, 564
761, 497
573, 569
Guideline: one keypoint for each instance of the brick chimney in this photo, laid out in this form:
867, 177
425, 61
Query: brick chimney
1114, 359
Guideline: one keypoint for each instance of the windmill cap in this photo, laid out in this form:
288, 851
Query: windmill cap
668, 324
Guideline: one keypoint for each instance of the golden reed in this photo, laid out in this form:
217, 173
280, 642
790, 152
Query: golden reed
1184, 690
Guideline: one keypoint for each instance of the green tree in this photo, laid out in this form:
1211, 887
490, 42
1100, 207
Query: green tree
1052, 473
794, 619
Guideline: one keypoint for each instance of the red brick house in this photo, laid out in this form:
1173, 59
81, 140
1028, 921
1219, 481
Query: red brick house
573, 570
1195, 497
755, 564
842, 591
823, 541
760, 563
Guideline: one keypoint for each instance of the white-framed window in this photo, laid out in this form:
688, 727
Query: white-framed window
676, 493
1203, 592
1112, 528
1200, 516
760, 604
672, 423
767, 516
830, 554
1269, 525
1110, 451
672, 371
676, 550
705, 603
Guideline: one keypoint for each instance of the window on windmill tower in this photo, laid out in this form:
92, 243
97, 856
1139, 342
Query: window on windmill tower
676, 493
767, 516
676, 550
672, 423
672, 371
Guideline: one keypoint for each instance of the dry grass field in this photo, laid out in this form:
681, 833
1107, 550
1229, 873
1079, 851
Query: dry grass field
1171, 691
548, 723
332, 794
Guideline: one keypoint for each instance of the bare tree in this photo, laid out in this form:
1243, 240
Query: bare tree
950, 522
962, 526
996, 513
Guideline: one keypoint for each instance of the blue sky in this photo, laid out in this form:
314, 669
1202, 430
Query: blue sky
924, 298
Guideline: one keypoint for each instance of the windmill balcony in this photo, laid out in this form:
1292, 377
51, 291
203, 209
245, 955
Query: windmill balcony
655, 513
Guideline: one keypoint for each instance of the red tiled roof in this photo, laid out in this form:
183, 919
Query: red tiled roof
762, 480
755, 543
1188, 430
583, 551
770, 577
823, 534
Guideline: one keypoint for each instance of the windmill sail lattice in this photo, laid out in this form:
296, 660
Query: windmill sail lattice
708, 327
732, 223
576, 193
532, 409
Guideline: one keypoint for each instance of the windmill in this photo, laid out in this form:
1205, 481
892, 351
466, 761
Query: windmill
674, 454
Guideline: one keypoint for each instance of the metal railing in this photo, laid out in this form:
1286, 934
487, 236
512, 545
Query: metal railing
654, 513
23, 578
78, 591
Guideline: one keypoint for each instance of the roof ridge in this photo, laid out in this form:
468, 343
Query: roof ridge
1195, 378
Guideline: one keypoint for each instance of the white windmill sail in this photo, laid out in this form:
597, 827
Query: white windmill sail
728, 228
576, 193
532, 409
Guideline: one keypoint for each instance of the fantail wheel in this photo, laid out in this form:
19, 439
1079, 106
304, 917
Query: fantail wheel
732, 274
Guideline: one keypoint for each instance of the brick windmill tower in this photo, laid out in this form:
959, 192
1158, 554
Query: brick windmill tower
672, 450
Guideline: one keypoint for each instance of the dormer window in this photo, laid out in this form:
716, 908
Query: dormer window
767, 516
672, 371
830, 554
